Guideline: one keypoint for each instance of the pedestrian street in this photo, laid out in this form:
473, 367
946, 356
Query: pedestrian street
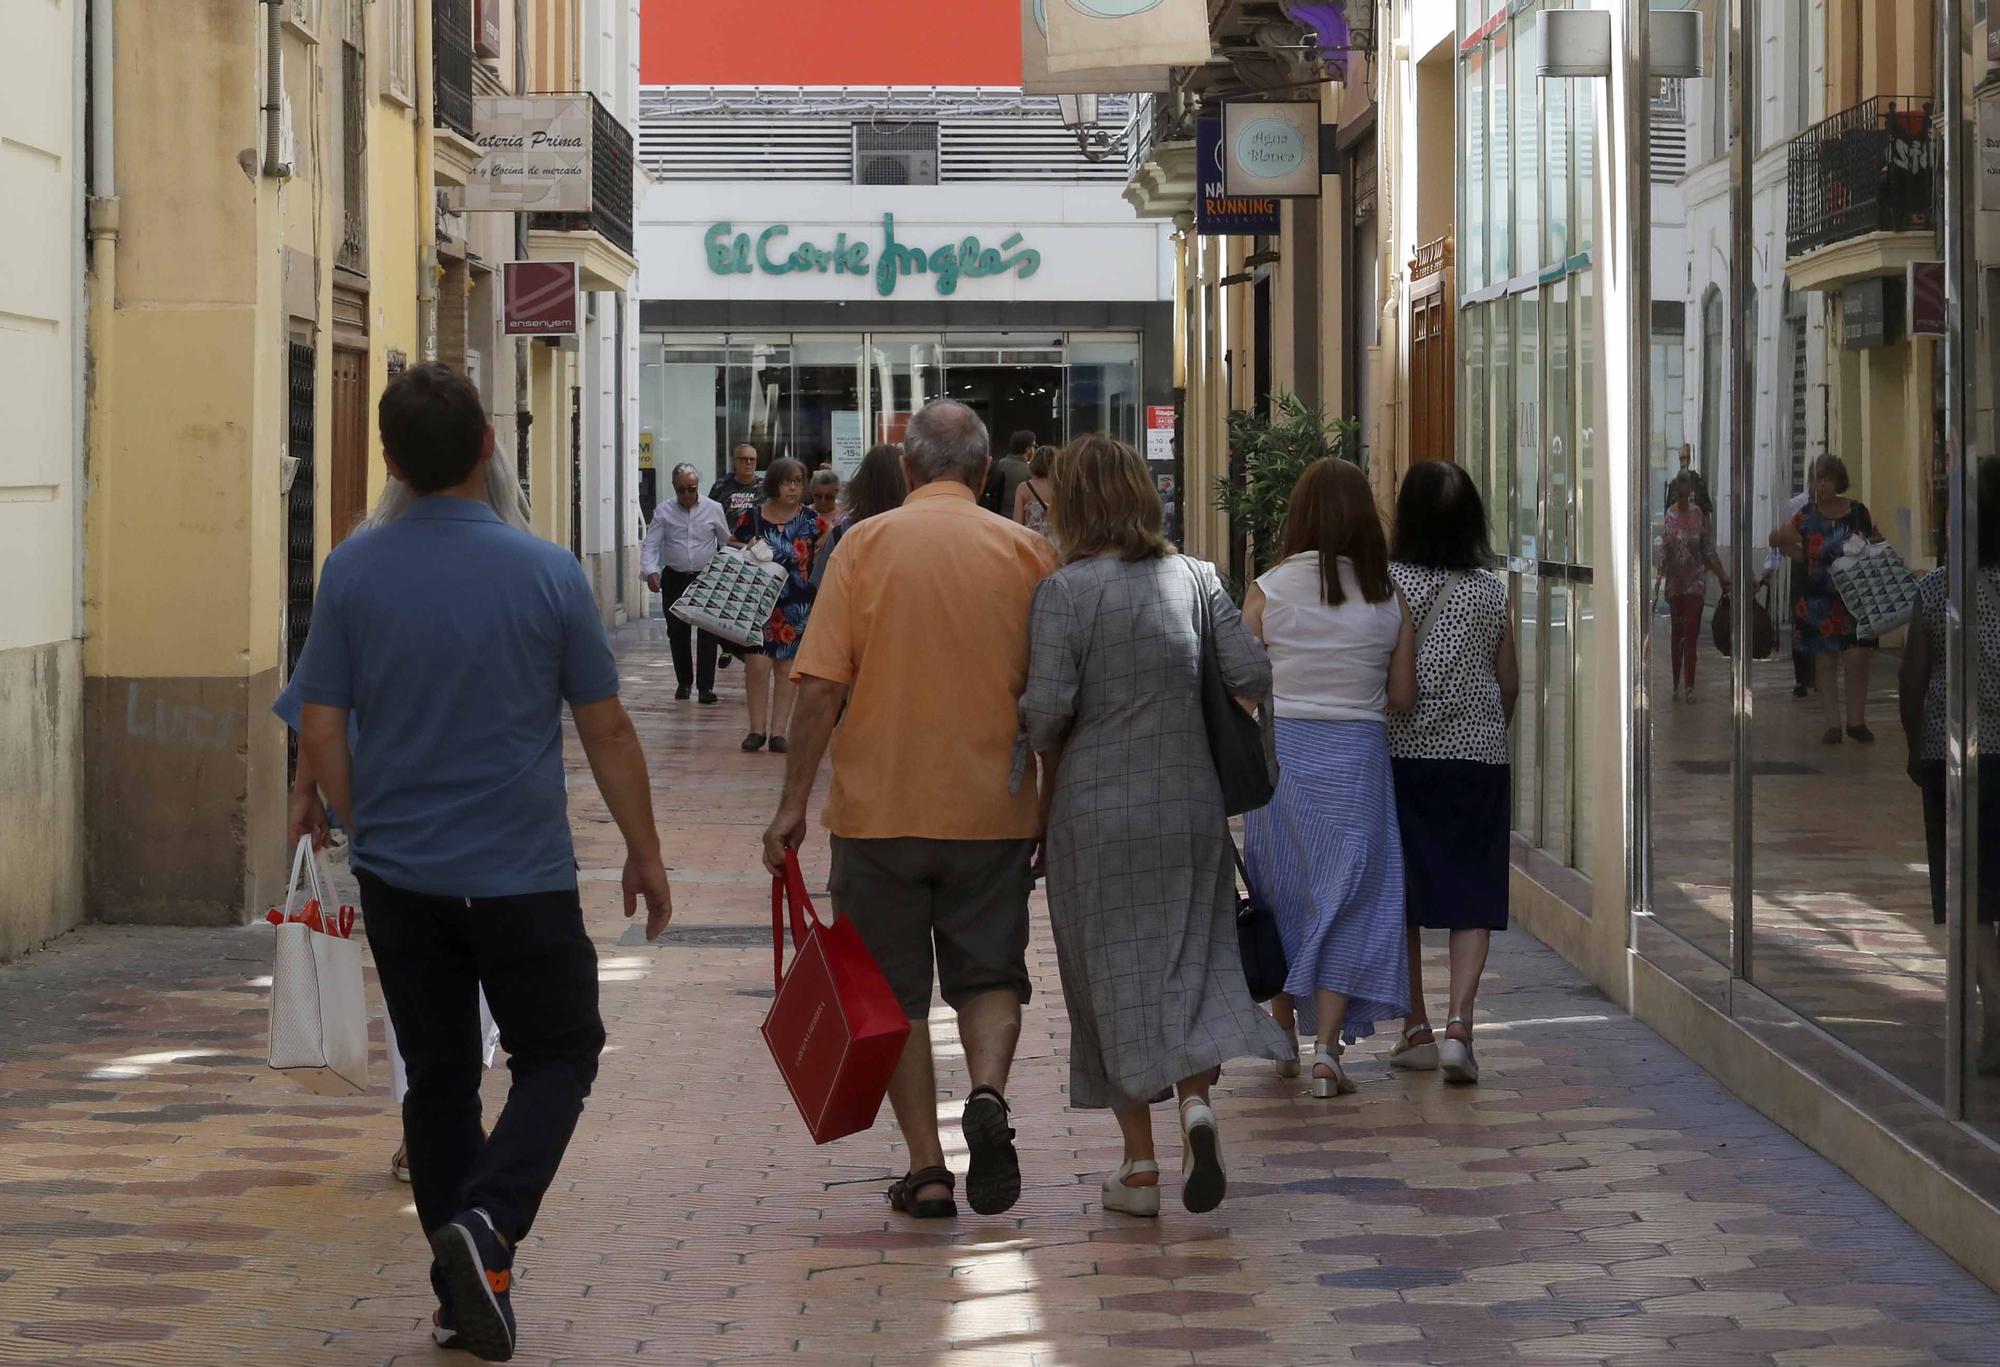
167, 1199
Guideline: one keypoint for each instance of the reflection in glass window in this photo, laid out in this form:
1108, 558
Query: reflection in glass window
1527, 149
1472, 251
1500, 182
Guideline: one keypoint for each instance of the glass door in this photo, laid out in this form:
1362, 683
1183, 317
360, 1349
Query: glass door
830, 381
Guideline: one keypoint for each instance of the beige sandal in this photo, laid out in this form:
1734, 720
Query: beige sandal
1418, 1058
1339, 1083
1127, 1200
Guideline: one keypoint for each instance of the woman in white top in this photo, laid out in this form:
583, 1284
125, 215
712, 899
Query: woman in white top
1450, 753
1325, 855
1037, 491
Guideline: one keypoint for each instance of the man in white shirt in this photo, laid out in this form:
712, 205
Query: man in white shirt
686, 533
1802, 665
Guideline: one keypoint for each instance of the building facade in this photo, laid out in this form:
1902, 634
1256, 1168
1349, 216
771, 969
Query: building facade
261, 265
1728, 243
42, 168
816, 266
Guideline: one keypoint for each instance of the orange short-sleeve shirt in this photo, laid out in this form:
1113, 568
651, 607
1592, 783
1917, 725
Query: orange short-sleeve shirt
924, 615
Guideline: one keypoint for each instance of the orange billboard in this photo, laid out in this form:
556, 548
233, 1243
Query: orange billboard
831, 42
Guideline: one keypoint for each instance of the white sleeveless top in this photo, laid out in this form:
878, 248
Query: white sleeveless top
1327, 663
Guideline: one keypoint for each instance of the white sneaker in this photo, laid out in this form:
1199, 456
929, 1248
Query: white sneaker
1203, 1178
1127, 1200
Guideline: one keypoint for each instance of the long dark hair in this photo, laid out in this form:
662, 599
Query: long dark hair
1441, 520
1333, 513
877, 484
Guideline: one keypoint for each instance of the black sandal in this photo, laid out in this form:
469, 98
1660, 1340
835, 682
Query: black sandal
903, 1191
993, 1182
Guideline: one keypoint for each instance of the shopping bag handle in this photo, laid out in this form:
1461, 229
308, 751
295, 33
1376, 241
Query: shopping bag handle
788, 894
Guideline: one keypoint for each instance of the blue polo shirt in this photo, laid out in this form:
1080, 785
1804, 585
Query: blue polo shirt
454, 641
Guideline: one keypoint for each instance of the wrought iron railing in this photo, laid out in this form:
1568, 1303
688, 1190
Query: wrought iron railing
451, 61
1869, 169
1432, 257
610, 212
1155, 119
353, 159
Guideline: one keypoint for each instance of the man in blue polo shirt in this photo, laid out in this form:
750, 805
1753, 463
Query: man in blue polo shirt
454, 641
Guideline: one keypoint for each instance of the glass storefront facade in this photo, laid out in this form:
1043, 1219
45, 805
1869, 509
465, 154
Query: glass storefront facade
827, 396
1808, 322
1527, 432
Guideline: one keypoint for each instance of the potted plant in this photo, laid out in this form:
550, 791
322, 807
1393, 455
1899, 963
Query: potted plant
1268, 453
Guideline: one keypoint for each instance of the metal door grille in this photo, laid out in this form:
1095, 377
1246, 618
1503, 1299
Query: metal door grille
299, 516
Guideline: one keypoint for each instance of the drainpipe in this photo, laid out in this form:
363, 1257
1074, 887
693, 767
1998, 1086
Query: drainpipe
523, 416
427, 253
102, 225
274, 86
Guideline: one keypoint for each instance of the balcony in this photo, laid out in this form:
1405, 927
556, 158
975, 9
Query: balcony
454, 151
1160, 139
598, 239
1862, 193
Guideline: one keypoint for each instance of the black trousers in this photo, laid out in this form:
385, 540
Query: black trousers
539, 969
686, 653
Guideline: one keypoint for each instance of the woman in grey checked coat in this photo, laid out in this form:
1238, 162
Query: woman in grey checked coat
1141, 878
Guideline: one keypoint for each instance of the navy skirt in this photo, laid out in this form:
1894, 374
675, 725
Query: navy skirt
1454, 815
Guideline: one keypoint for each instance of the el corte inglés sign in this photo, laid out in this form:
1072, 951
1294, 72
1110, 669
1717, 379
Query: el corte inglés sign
773, 251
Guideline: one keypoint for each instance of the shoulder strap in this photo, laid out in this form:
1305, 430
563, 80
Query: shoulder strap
1038, 495
1445, 590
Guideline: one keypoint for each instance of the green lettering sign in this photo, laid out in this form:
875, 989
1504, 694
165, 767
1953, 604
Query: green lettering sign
730, 253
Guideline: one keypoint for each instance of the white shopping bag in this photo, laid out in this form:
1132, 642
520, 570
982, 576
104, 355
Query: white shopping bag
1877, 587
319, 1017
734, 597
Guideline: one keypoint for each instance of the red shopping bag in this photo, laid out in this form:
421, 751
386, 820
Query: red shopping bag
835, 1029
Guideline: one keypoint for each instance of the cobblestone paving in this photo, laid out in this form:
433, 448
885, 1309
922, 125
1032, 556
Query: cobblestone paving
165, 1199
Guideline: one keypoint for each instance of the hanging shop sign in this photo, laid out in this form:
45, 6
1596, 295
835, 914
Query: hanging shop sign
1271, 151
540, 298
1217, 213
1988, 125
486, 29
1871, 313
1037, 79
1923, 289
773, 251
1107, 35
535, 155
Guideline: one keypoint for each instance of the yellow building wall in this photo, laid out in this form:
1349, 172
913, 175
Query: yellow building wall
392, 256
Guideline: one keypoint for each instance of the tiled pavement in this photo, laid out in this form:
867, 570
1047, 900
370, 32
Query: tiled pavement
166, 1200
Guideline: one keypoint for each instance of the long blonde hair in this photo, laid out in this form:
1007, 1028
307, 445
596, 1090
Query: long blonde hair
1105, 501
503, 492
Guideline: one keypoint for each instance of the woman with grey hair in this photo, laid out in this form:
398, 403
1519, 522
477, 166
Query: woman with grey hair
308, 813
824, 493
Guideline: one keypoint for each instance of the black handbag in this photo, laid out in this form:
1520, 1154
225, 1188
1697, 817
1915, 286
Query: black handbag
1235, 739
1257, 941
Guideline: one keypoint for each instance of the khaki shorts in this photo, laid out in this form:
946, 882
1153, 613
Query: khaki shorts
958, 905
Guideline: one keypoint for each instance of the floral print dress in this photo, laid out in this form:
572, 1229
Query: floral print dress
792, 546
1823, 623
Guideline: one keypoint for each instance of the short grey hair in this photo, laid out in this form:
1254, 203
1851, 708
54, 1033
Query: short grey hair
826, 479
947, 441
684, 469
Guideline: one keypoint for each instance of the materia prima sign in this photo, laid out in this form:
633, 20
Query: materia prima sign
536, 154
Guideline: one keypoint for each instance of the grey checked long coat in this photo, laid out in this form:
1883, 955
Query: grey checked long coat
1141, 881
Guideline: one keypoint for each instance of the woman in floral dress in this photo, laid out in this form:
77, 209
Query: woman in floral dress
791, 529
1817, 536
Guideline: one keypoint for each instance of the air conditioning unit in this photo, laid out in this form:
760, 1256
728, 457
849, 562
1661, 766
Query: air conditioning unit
896, 168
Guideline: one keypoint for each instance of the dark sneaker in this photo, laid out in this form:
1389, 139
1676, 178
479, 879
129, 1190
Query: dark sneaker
683, 694
707, 700
993, 1181
479, 1271
444, 1329
753, 742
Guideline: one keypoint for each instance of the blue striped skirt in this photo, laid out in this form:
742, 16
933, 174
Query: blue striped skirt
1327, 857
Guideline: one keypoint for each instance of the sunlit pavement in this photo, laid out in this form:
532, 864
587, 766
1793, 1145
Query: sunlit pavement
166, 1199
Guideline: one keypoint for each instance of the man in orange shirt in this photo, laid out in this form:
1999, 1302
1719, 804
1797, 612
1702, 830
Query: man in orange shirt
921, 630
